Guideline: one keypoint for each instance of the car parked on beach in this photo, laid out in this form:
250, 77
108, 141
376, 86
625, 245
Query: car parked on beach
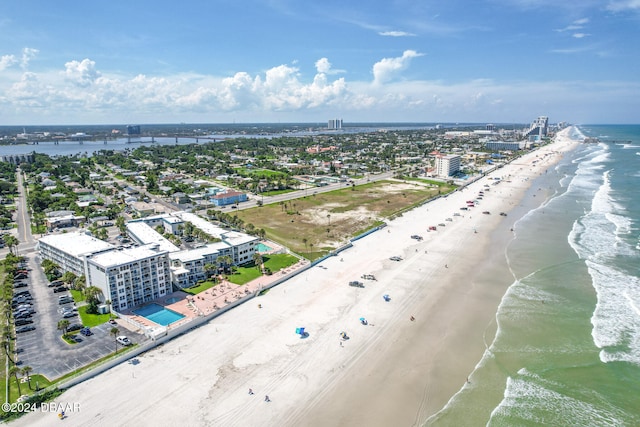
395, 258
356, 284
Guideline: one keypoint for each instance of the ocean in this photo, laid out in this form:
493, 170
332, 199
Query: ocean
567, 347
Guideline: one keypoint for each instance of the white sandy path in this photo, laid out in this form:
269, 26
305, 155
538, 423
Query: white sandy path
202, 378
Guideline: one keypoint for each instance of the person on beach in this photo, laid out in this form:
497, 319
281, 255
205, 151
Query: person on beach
266, 398
250, 391
412, 318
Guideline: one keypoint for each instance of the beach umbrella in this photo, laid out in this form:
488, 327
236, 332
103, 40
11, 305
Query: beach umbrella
362, 319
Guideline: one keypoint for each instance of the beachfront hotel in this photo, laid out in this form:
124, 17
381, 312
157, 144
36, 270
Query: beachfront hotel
70, 250
447, 165
130, 277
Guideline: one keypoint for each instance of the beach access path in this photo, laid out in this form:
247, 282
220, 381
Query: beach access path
391, 371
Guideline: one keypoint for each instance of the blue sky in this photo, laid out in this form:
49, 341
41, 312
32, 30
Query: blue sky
223, 61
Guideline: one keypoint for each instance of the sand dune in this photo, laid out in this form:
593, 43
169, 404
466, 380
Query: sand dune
392, 371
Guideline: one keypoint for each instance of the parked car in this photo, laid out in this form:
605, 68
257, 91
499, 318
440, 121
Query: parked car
395, 258
60, 289
356, 284
69, 314
27, 328
86, 331
123, 340
22, 322
503, 214
74, 327
65, 301
486, 212
20, 285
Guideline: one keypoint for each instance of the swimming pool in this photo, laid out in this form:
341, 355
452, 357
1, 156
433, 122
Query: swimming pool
261, 247
158, 314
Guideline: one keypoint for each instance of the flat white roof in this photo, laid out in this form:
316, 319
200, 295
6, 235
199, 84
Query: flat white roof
198, 253
76, 244
145, 234
126, 256
233, 237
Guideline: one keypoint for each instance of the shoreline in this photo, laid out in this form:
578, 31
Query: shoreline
393, 370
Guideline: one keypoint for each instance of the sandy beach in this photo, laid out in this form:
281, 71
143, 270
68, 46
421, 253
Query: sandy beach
391, 371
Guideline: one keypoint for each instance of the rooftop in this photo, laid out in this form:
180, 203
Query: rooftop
77, 244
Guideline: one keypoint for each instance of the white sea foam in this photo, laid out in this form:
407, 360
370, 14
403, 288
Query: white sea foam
533, 399
595, 237
616, 319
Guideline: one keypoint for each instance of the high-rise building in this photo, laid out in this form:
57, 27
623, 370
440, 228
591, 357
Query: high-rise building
539, 127
133, 130
335, 124
447, 165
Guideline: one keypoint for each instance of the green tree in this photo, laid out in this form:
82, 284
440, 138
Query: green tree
115, 332
14, 370
11, 242
63, 324
26, 371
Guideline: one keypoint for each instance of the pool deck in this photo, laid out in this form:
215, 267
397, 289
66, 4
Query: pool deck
207, 302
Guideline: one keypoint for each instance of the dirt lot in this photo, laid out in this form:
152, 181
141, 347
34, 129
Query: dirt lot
319, 223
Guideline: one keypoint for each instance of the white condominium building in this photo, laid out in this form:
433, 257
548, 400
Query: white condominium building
69, 250
130, 277
447, 165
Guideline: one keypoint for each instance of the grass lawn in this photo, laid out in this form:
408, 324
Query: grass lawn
91, 320
277, 262
194, 290
77, 295
319, 223
243, 275
249, 272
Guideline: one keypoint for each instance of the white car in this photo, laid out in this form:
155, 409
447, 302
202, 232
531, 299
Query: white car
123, 340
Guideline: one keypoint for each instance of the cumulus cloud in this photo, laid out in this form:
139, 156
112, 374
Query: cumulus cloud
580, 35
386, 68
28, 54
81, 73
396, 34
323, 66
7, 61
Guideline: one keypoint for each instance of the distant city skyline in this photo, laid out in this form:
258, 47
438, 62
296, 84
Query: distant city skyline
259, 61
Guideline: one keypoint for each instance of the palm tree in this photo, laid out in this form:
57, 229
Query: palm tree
14, 370
63, 325
26, 371
11, 242
257, 259
115, 332
92, 294
304, 240
329, 219
5, 344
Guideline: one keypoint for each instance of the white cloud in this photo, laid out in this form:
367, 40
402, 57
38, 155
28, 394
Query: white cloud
7, 61
81, 93
28, 54
81, 73
396, 34
580, 35
623, 5
323, 65
386, 68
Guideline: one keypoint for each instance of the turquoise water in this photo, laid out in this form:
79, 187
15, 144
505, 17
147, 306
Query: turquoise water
567, 349
261, 247
158, 314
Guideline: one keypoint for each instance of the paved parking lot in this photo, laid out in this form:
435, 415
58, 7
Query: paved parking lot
44, 349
